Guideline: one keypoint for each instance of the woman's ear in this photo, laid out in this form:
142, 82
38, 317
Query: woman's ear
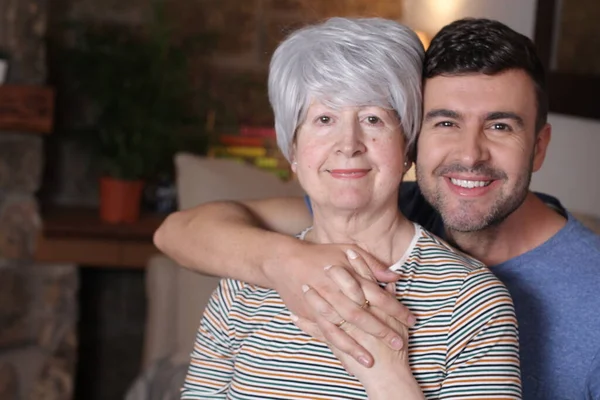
293, 162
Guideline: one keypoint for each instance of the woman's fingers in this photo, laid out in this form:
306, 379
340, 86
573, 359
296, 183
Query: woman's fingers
339, 311
359, 290
386, 301
366, 266
308, 327
331, 327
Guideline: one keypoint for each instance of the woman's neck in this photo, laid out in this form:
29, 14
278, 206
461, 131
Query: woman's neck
384, 233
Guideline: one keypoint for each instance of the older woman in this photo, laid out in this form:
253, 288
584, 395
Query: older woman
346, 97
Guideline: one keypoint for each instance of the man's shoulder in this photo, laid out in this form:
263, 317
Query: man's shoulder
577, 240
573, 252
435, 250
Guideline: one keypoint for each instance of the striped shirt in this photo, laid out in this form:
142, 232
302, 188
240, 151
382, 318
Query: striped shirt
463, 346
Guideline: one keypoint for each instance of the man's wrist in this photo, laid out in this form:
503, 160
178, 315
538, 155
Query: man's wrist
282, 252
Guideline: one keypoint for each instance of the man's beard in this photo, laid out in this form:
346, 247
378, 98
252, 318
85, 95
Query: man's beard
463, 218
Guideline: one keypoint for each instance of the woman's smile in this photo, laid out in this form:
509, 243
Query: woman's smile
350, 173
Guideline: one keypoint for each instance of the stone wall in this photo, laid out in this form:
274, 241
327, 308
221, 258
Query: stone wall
37, 302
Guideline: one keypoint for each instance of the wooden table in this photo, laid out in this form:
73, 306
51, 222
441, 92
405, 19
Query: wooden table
77, 235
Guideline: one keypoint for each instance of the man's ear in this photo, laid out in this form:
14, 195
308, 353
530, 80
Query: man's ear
542, 141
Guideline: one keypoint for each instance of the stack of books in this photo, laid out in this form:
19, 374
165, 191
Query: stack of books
256, 146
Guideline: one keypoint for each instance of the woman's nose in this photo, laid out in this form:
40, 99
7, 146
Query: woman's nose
350, 139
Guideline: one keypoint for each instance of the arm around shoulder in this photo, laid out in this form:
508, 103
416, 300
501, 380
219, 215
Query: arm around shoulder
233, 239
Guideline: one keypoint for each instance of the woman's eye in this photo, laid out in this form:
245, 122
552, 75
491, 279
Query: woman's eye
324, 119
372, 119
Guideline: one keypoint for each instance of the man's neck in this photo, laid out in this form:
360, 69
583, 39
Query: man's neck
532, 224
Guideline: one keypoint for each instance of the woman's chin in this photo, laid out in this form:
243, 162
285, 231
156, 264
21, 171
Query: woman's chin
349, 203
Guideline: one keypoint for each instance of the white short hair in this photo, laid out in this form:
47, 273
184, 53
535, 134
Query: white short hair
347, 62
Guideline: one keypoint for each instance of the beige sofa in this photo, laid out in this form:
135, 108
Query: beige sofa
176, 296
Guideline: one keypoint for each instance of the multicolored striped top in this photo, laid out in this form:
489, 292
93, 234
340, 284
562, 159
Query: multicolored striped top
464, 345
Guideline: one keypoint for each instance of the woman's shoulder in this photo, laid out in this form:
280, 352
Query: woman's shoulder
242, 292
430, 248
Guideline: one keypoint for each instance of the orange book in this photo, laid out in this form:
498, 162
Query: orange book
233, 140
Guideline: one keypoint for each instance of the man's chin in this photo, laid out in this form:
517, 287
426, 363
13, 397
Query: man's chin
467, 221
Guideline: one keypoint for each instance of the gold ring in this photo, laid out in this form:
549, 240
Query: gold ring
339, 324
366, 304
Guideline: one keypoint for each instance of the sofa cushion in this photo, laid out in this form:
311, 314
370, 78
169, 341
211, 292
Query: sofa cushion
202, 179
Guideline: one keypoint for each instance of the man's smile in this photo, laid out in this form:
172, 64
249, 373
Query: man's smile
472, 186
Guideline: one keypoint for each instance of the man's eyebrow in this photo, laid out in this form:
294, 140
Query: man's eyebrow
505, 115
441, 112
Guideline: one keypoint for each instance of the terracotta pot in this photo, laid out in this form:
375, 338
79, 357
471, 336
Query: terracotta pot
120, 200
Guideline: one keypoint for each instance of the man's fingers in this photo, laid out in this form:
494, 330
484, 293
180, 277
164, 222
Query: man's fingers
359, 264
379, 271
391, 288
347, 283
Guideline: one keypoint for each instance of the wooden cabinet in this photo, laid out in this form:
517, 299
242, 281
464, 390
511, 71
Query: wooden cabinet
77, 235
26, 108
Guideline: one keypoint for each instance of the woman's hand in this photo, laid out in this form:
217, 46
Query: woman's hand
390, 373
306, 264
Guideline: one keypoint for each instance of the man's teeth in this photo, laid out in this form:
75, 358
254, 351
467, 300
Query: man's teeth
469, 184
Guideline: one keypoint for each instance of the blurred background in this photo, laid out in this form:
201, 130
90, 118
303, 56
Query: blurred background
113, 112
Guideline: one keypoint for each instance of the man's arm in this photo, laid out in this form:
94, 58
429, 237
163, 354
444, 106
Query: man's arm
234, 239
230, 239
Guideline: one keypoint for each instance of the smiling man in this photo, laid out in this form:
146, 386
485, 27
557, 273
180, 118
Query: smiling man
483, 134
479, 145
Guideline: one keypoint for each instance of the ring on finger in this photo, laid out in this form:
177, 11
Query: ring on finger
339, 324
365, 305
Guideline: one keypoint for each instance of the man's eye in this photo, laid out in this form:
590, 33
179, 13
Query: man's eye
324, 119
445, 124
501, 127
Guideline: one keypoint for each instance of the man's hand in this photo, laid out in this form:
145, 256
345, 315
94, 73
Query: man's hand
344, 276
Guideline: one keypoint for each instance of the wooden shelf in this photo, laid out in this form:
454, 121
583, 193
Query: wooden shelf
26, 108
77, 235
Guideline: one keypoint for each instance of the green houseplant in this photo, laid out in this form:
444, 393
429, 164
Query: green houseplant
139, 104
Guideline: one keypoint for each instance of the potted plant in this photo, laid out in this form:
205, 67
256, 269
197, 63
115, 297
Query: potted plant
138, 97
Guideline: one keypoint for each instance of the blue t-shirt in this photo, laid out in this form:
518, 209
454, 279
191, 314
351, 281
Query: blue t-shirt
556, 291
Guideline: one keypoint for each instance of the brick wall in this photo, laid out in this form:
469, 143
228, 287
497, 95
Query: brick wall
242, 35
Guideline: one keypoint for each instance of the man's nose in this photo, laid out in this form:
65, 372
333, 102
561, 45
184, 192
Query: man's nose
473, 148
350, 139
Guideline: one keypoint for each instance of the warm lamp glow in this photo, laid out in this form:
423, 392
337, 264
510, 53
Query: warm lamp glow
424, 38
410, 174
